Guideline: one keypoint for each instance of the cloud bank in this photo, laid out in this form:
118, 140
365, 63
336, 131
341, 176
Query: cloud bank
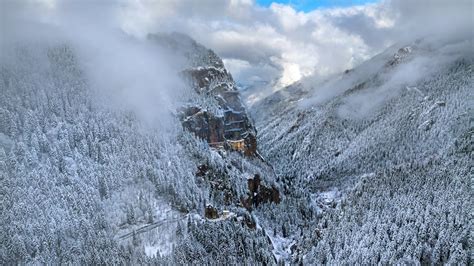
122, 71
279, 45
275, 46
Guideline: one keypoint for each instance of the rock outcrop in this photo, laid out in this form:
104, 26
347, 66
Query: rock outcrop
258, 193
231, 127
399, 56
210, 212
203, 124
223, 122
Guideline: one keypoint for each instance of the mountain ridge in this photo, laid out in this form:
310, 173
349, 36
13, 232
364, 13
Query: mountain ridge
373, 134
369, 166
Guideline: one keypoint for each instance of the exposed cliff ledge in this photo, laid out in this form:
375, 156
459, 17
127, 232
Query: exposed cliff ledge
259, 193
227, 126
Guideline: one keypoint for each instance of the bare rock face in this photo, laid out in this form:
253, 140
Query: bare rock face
399, 56
249, 222
210, 212
232, 130
251, 145
203, 124
202, 170
220, 118
259, 193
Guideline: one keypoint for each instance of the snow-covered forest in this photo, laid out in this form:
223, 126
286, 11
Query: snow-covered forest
77, 175
402, 169
146, 150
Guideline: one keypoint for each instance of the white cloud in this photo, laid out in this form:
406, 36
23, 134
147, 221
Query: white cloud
123, 72
288, 18
295, 44
281, 45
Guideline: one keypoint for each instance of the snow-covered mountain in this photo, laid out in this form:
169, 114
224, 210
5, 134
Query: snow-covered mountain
389, 145
369, 166
85, 181
217, 113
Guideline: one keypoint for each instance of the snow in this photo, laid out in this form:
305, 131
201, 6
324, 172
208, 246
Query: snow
325, 199
122, 171
5, 141
437, 103
426, 125
157, 236
281, 247
151, 251
330, 196
414, 88
386, 142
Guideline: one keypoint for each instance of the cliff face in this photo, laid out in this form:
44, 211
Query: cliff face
224, 122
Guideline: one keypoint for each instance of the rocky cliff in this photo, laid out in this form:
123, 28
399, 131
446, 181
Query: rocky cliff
224, 122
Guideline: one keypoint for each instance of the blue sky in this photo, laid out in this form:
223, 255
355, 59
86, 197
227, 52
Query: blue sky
309, 5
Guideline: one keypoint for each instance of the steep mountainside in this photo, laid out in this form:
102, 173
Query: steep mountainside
218, 116
389, 143
370, 166
84, 181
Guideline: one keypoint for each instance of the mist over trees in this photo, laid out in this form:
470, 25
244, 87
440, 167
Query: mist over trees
98, 164
404, 167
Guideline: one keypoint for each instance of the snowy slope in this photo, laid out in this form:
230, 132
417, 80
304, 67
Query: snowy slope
393, 136
372, 165
85, 181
